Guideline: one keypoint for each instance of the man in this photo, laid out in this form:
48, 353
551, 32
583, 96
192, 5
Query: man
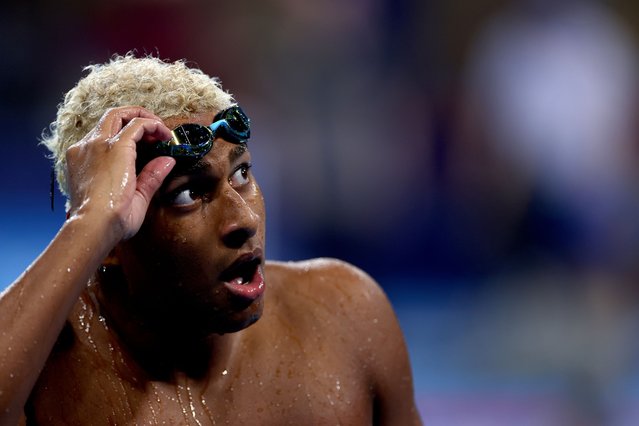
184, 322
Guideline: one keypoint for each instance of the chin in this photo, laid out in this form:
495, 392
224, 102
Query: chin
235, 321
234, 327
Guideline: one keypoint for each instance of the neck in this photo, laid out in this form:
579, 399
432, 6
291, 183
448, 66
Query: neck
163, 348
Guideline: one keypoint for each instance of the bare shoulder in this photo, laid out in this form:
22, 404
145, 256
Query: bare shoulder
326, 279
343, 298
337, 306
320, 265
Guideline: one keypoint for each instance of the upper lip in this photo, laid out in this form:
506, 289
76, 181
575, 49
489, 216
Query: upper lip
245, 263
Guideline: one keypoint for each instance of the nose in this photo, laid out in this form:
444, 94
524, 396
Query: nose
240, 222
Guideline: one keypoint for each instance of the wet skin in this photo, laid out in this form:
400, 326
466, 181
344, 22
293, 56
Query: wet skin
207, 216
162, 337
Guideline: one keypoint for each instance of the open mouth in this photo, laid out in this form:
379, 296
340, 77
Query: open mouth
242, 270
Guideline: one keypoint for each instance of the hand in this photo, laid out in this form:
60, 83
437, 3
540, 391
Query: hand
101, 170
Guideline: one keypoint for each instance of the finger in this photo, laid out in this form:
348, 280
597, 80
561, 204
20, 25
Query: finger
145, 129
148, 182
115, 119
150, 179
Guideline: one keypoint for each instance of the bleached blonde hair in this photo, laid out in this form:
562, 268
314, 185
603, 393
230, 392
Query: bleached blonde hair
168, 89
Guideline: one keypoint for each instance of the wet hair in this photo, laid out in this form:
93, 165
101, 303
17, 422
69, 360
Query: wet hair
168, 89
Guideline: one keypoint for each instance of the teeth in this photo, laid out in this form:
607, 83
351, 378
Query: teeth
242, 274
237, 281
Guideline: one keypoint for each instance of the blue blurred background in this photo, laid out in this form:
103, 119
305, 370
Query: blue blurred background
479, 159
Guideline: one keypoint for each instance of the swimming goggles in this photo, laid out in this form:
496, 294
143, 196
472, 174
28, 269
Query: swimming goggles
195, 141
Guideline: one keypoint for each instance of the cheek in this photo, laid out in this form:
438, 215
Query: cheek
259, 208
168, 246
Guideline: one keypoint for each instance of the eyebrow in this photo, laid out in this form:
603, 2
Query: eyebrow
237, 152
188, 169
202, 165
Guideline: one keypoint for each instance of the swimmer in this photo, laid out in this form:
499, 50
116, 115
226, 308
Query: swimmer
154, 303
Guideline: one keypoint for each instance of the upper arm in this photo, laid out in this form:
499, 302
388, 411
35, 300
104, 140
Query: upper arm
391, 373
385, 353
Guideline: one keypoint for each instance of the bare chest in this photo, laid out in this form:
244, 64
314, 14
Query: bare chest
276, 387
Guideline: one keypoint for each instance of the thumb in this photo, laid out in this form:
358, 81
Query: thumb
151, 177
148, 182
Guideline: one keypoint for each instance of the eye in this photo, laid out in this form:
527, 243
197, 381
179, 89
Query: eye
184, 197
240, 176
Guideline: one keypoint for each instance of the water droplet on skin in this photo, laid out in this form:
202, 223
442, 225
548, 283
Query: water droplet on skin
125, 180
188, 390
181, 402
68, 269
206, 408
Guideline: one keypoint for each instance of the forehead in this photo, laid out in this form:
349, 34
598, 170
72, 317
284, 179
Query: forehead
203, 118
222, 155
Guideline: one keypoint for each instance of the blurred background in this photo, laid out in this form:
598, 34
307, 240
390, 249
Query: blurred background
479, 159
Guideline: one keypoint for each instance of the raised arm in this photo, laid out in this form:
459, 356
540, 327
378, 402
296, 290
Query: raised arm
108, 204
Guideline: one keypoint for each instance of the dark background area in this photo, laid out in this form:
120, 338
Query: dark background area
479, 159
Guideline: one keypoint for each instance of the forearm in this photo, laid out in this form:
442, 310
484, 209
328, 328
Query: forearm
34, 308
108, 203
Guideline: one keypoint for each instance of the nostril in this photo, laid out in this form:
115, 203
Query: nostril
237, 237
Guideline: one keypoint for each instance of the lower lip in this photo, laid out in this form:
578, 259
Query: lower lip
251, 290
